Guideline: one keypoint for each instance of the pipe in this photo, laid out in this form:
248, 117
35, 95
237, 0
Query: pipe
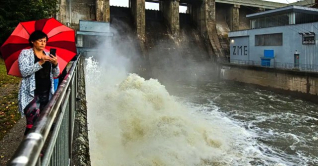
70, 12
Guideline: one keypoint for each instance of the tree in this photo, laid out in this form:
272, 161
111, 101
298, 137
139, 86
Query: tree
14, 11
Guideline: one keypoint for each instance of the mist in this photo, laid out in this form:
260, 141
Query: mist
181, 61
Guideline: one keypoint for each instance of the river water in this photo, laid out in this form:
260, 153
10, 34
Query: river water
133, 121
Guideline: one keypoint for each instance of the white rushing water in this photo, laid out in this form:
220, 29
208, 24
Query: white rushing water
133, 121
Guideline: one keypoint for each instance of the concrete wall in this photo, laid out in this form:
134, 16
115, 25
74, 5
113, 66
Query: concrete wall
80, 10
224, 17
203, 16
294, 81
244, 21
63, 14
292, 41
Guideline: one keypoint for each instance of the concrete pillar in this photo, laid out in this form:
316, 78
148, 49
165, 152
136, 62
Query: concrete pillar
63, 12
102, 10
138, 12
203, 16
170, 12
235, 18
107, 11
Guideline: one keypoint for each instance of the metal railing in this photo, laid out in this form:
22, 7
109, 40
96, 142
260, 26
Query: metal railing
278, 65
49, 144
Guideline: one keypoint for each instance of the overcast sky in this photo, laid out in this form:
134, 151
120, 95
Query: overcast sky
182, 9
284, 1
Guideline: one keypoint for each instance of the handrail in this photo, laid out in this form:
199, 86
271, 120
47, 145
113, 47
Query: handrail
28, 152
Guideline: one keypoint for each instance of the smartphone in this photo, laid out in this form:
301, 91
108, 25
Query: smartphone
53, 51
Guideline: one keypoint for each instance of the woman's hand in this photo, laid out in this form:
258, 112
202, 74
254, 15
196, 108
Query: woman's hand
53, 59
43, 60
50, 58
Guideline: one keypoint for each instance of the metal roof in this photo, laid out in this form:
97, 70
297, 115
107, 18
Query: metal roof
288, 9
94, 26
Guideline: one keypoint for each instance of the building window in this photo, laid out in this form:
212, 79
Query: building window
275, 39
309, 38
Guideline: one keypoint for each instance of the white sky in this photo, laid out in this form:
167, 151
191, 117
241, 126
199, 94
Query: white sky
155, 6
283, 1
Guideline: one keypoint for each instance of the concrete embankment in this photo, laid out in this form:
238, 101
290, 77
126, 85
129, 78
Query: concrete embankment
80, 151
303, 84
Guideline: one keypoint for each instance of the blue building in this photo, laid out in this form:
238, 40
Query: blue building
280, 38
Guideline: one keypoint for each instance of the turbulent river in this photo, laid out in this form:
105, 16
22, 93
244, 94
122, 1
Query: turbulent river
138, 122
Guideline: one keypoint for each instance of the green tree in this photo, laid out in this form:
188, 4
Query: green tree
14, 11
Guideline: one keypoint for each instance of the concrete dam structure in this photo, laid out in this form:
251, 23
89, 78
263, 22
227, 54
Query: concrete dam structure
212, 20
199, 35
169, 45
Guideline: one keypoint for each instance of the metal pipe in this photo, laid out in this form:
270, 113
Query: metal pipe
70, 11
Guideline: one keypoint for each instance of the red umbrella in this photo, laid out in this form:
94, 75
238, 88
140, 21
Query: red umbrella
61, 37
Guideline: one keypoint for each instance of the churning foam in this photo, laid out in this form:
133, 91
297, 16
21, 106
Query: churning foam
133, 121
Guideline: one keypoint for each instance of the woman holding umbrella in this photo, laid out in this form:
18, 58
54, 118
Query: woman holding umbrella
37, 69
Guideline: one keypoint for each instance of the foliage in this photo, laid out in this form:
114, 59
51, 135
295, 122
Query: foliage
9, 114
14, 11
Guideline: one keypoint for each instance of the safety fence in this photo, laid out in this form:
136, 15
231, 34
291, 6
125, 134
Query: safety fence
50, 140
278, 65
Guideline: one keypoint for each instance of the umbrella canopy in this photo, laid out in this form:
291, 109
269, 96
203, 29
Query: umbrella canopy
61, 37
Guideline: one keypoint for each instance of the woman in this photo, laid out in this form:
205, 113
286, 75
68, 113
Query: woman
37, 68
